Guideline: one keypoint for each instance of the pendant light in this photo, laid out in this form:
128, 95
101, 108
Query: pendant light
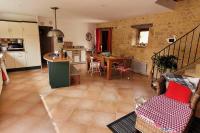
55, 32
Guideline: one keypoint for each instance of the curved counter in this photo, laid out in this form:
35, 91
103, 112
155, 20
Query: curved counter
52, 57
59, 70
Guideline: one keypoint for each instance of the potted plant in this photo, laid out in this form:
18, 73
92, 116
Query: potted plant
166, 63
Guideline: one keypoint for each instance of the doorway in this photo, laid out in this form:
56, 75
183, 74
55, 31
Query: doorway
103, 40
46, 43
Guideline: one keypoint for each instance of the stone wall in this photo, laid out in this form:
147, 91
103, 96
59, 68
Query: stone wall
177, 22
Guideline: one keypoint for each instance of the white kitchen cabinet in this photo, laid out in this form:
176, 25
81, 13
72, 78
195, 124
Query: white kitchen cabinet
30, 29
15, 59
20, 59
69, 53
4, 30
10, 60
83, 56
76, 59
15, 29
32, 48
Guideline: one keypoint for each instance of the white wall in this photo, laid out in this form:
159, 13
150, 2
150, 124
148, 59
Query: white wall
76, 31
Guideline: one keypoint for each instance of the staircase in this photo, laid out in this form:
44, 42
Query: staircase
193, 72
186, 51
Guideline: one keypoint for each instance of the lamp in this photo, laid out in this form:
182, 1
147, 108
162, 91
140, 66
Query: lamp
55, 32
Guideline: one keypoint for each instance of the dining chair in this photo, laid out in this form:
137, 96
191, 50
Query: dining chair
94, 66
103, 64
125, 67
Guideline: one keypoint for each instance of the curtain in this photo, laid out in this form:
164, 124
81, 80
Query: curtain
98, 40
109, 40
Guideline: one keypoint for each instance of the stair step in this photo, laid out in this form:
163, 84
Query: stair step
192, 73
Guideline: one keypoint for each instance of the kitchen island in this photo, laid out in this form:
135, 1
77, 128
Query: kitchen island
59, 70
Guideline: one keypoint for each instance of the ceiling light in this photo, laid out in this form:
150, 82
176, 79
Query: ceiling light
55, 32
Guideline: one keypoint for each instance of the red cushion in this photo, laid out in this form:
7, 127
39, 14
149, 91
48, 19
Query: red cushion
178, 92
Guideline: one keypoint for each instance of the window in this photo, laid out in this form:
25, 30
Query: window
143, 37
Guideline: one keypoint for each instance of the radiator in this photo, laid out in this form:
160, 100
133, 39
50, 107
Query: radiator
139, 67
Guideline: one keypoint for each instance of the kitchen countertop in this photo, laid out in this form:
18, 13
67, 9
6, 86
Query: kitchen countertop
51, 57
74, 49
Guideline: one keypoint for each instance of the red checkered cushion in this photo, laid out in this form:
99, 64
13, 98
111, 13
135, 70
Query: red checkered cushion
165, 113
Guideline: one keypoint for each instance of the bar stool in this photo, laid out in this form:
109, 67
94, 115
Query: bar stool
94, 66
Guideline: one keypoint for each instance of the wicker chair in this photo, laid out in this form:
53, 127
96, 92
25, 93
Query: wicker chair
147, 127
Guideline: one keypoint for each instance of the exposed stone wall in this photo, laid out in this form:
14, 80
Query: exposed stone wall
177, 22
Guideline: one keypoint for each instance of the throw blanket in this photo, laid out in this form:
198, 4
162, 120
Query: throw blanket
189, 82
165, 113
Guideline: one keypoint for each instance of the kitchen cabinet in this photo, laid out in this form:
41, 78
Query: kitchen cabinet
32, 48
20, 59
15, 59
30, 34
76, 58
10, 60
15, 29
77, 55
83, 56
30, 29
4, 30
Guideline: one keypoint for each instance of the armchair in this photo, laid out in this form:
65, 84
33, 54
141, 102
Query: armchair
164, 115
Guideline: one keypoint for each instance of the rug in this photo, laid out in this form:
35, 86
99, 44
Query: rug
126, 124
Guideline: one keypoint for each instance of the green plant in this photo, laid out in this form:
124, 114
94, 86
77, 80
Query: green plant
165, 62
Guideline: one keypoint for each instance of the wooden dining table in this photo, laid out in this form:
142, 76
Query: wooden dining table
109, 61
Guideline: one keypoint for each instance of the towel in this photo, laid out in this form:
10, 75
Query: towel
4, 73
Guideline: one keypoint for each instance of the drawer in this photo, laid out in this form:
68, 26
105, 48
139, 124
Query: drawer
76, 52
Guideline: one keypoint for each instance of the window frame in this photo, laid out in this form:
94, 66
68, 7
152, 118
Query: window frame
138, 38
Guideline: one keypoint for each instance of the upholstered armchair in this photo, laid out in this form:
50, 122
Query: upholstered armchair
161, 114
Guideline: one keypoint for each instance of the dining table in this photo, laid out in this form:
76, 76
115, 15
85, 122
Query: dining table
109, 61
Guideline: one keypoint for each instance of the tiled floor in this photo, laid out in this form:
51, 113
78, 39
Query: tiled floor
84, 108
96, 102
21, 108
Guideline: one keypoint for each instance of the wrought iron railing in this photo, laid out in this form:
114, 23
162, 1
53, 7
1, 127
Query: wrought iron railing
186, 49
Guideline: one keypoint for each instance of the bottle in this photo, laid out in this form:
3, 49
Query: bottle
65, 53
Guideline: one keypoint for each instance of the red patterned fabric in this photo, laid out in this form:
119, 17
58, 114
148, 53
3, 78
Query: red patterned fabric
174, 90
165, 113
123, 69
3, 75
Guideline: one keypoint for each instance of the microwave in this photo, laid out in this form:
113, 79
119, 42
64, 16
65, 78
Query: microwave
16, 44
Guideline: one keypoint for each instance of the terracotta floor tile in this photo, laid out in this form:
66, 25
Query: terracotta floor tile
72, 127
83, 117
108, 96
106, 106
92, 129
61, 113
18, 108
87, 104
22, 125
101, 119
125, 107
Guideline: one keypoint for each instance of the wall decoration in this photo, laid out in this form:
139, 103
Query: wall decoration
88, 36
